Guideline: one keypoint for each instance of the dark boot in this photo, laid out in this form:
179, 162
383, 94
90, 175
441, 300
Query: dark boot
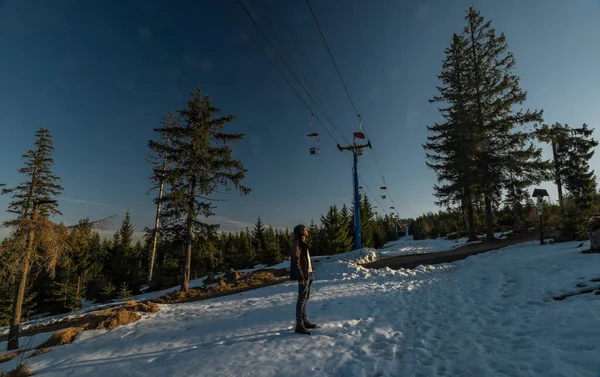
310, 325
300, 329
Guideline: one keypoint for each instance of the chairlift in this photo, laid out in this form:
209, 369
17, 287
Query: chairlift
315, 149
359, 135
383, 192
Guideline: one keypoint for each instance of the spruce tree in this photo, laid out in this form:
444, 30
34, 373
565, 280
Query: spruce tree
450, 146
315, 239
272, 254
260, 240
503, 140
335, 232
200, 160
126, 232
366, 222
246, 248
574, 150
33, 201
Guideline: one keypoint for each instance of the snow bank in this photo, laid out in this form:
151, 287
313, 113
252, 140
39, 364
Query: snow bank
487, 315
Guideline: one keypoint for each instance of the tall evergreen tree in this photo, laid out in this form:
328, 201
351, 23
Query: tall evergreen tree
450, 145
574, 150
33, 202
494, 93
200, 161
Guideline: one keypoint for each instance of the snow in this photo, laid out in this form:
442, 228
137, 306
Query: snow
90, 306
487, 315
29, 342
407, 245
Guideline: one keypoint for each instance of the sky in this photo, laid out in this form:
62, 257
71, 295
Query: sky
100, 75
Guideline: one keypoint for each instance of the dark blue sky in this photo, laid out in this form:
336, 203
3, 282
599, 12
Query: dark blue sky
101, 74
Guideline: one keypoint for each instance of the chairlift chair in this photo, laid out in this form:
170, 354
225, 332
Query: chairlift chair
314, 150
383, 192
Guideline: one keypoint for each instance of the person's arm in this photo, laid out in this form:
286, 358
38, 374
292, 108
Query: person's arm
297, 251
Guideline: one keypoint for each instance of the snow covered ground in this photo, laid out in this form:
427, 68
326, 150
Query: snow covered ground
487, 315
90, 306
406, 245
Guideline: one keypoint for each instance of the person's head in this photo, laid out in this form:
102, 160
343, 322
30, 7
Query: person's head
300, 232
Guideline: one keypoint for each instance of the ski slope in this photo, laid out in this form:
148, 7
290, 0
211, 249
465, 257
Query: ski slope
488, 315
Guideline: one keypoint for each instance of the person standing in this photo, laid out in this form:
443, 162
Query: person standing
302, 270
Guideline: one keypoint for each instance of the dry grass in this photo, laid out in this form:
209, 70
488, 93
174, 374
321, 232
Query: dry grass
39, 352
8, 356
235, 284
22, 370
145, 307
106, 319
118, 318
64, 336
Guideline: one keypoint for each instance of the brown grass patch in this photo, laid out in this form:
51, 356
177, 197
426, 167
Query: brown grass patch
119, 318
39, 352
145, 307
105, 319
8, 356
22, 370
230, 284
64, 336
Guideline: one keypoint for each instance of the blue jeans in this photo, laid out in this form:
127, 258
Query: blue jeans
303, 296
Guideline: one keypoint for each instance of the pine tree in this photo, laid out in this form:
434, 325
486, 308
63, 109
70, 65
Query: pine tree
574, 150
67, 294
493, 93
335, 232
160, 160
316, 239
348, 223
260, 242
450, 145
33, 202
272, 254
200, 161
126, 232
366, 222
246, 248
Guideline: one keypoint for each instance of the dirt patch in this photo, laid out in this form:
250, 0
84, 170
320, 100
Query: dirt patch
8, 356
22, 370
106, 319
233, 282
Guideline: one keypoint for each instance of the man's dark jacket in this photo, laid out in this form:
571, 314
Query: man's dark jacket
299, 261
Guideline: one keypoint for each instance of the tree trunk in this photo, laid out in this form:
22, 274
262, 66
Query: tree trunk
15, 322
470, 217
156, 224
489, 220
188, 238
